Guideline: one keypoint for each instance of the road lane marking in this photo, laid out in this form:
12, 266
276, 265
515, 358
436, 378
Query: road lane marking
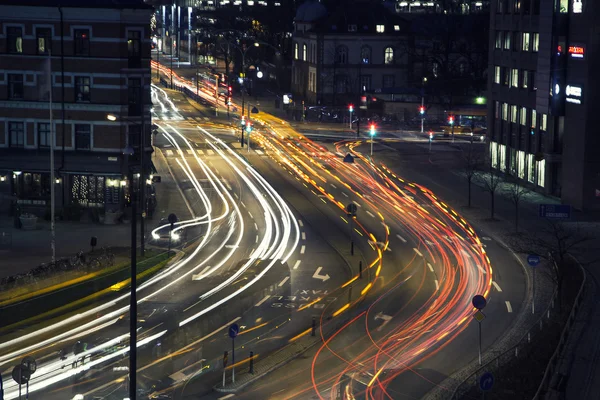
417, 251
430, 267
210, 152
437, 285
356, 202
302, 249
255, 226
344, 194
401, 238
508, 306
300, 223
259, 152
481, 269
317, 275
297, 264
370, 214
333, 186
262, 301
242, 203
190, 152
283, 281
226, 397
486, 238
496, 286
169, 152
250, 214
466, 254
200, 152
256, 241
303, 236
236, 195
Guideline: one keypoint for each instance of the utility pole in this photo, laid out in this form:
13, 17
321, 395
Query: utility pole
142, 174
359, 99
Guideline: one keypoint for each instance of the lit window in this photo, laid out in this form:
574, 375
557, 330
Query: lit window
365, 55
515, 77
524, 116
524, 79
396, 28
536, 42
304, 52
296, 51
541, 173
388, 55
82, 88
544, 122
513, 113
498, 39
44, 40
505, 111
14, 39
497, 74
494, 154
530, 168
533, 119
525, 41
502, 157
380, 28
521, 167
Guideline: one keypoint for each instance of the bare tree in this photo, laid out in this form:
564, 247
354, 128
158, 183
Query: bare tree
555, 243
516, 193
472, 165
491, 182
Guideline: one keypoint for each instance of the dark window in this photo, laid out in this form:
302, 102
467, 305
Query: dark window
135, 94
500, 7
505, 76
388, 81
341, 55
15, 86
32, 186
134, 48
44, 40
365, 83
365, 55
15, 39
82, 88
44, 135
83, 137
16, 131
134, 136
82, 42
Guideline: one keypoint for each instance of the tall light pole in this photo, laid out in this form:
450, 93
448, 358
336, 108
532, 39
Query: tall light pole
422, 109
372, 133
350, 110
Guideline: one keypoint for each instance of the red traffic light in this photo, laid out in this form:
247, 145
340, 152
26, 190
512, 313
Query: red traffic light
350, 108
230, 89
451, 120
422, 110
372, 129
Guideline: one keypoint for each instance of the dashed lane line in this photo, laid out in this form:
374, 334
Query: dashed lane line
370, 214
262, 300
430, 267
401, 238
297, 264
302, 249
417, 251
283, 281
508, 306
303, 236
496, 286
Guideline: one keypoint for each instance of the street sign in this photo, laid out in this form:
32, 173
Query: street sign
20, 374
234, 329
479, 302
29, 364
533, 260
555, 211
486, 381
479, 316
172, 218
351, 209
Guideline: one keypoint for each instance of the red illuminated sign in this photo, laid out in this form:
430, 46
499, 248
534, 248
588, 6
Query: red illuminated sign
577, 51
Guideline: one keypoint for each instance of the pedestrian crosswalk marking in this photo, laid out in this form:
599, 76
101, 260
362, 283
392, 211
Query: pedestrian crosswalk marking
169, 152
200, 152
260, 152
210, 152
190, 152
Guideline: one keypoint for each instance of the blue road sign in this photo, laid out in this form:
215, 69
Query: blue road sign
533, 260
486, 381
234, 329
555, 211
479, 302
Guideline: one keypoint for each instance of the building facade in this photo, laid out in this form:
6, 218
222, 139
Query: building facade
94, 57
542, 123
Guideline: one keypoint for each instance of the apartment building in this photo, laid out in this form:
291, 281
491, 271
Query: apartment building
94, 56
541, 114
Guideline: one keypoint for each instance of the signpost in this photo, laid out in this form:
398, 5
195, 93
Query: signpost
234, 329
351, 213
486, 381
28, 364
225, 357
533, 260
479, 302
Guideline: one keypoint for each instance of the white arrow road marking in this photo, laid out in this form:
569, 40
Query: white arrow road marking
508, 306
417, 251
297, 264
370, 214
302, 249
384, 317
496, 286
401, 238
316, 275
197, 276
262, 301
283, 281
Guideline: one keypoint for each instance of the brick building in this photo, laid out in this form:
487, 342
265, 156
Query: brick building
98, 55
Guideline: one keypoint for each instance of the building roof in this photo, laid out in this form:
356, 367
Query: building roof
120, 4
309, 11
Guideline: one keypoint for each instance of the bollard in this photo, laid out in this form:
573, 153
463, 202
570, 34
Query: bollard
252, 362
314, 326
360, 269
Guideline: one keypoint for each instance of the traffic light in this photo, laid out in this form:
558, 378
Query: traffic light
451, 120
229, 100
243, 122
248, 126
230, 89
422, 110
372, 130
351, 108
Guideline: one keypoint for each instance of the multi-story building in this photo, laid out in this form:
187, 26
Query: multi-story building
95, 57
541, 119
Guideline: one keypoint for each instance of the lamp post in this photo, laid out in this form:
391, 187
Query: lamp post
350, 110
422, 109
372, 133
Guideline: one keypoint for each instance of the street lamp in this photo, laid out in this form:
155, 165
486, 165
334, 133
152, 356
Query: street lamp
351, 110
